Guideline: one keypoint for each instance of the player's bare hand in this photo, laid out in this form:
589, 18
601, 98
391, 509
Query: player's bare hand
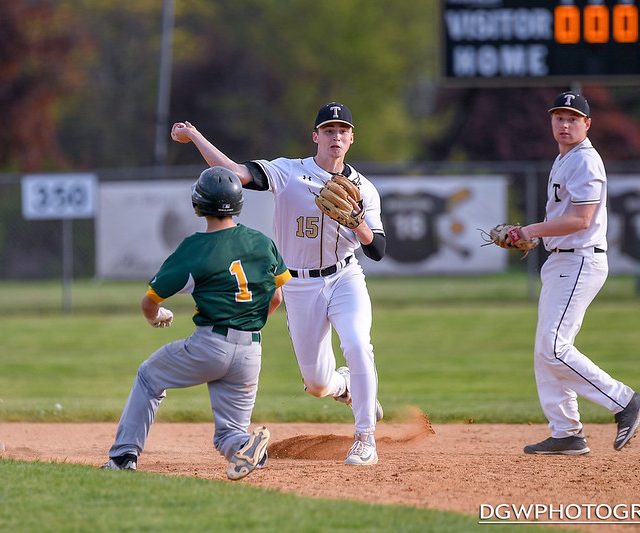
357, 206
181, 132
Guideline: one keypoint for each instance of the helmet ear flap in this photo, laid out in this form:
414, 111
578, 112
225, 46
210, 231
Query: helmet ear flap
218, 192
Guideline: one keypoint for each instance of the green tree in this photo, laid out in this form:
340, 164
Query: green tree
109, 120
265, 66
512, 124
36, 47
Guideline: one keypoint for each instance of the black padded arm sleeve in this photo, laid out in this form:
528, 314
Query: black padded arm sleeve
260, 181
376, 248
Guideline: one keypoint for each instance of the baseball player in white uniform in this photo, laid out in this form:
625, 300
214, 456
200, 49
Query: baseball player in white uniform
328, 288
574, 232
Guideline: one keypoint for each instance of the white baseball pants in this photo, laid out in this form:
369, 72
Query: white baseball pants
341, 301
570, 282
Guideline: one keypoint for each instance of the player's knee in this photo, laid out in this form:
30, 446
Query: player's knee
319, 390
356, 345
145, 380
549, 351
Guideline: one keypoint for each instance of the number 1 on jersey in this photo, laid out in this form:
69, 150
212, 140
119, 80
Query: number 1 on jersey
243, 294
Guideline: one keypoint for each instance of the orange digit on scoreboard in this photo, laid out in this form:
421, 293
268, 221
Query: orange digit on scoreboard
596, 24
566, 26
625, 23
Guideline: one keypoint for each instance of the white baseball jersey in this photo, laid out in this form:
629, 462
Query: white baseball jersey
578, 178
308, 239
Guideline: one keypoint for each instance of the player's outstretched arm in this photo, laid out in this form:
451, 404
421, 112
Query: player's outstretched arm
185, 132
577, 218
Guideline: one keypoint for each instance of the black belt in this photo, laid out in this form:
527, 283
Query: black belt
322, 272
596, 250
223, 330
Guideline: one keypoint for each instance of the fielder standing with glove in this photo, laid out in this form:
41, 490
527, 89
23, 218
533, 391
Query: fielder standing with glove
234, 274
318, 236
574, 231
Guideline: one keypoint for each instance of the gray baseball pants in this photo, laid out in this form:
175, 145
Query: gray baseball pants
229, 365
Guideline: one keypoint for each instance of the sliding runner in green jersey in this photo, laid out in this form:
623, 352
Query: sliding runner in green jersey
234, 275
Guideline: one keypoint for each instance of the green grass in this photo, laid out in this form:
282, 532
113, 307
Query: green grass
446, 345
94, 296
459, 348
42, 497
457, 358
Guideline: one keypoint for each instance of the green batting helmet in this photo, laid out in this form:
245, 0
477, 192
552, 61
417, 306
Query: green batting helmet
218, 193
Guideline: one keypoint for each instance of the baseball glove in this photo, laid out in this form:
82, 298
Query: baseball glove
340, 200
509, 236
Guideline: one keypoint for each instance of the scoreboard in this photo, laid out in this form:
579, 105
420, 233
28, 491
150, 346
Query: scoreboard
525, 40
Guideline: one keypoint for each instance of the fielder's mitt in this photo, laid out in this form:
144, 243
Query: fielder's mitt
334, 201
509, 236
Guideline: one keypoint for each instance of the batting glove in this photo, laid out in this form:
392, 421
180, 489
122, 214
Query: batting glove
163, 319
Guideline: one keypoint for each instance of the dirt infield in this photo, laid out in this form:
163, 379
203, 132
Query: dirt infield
453, 467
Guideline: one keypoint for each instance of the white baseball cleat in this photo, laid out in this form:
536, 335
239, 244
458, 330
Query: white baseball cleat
251, 456
346, 396
363, 451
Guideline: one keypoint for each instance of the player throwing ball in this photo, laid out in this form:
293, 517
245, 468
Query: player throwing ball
234, 274
574, 231
328, 288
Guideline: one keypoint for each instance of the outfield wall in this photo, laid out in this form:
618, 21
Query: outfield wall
432, 216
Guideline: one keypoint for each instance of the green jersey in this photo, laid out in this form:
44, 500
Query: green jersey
231, 274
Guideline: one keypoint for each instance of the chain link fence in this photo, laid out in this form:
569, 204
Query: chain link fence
33, 249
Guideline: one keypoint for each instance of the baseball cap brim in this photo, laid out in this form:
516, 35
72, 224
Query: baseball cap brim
332, 121
573, 109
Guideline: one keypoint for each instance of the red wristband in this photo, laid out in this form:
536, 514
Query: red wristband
515, 234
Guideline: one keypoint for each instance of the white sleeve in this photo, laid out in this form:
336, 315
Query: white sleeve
372, 206
586, 181
278, 173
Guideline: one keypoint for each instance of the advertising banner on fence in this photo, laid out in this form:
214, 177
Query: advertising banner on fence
623, 234
432, 224
140, 223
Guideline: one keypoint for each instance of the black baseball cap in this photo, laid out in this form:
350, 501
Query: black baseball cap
333, 112
572, 101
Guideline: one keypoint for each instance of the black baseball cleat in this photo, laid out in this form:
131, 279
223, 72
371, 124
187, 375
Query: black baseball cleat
128, 461
628, 421
573, 445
